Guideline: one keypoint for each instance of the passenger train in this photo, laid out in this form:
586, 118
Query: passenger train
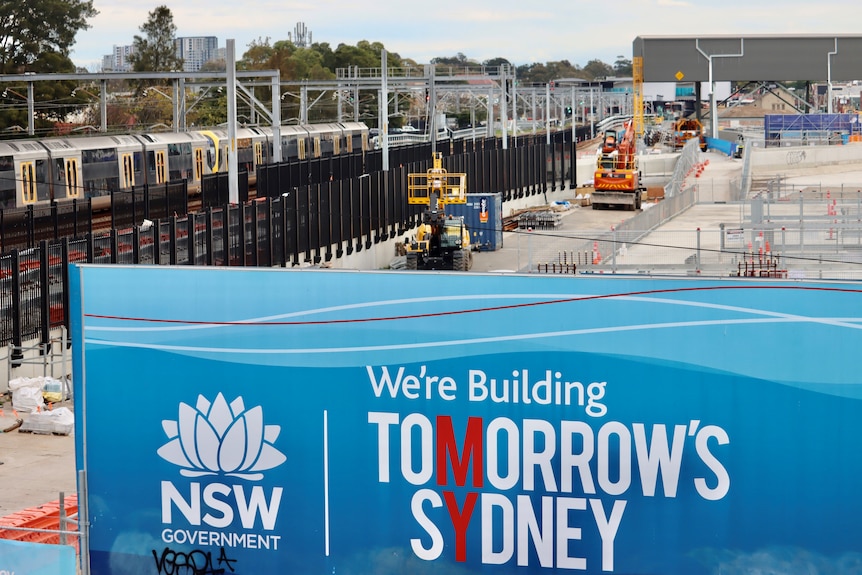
61, 168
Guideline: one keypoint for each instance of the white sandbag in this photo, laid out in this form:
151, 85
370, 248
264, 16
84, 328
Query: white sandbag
60, 421
26, 393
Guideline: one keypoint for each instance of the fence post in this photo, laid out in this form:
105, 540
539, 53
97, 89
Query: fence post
173, 239
15, 268
136, 244
62, 518
44, 296
31, 227
697, 257
114, 245
209, 238
157, 242
192, 238
64, 254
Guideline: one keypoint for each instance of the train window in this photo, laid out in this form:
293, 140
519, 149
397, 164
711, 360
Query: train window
199, 164
60, 186
140, 176
180, 162
7, 182
73, 186
44, 181
128, 175
28, 183
174, 150
99, 155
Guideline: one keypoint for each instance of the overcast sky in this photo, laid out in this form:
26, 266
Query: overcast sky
521, 31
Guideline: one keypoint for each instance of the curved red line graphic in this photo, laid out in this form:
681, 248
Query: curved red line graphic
472, 310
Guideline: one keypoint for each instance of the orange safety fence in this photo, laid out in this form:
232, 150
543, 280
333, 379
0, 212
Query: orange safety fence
45, 516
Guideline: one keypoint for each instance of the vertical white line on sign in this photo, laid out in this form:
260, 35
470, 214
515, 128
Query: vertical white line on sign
325, 484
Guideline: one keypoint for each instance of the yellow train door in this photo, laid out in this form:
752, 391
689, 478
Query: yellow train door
73, 183
128, 176
199, 164
161, 167
258, 153
28, 183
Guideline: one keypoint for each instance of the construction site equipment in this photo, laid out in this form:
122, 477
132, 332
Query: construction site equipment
483, 216
684, 129
617, 181
442, 241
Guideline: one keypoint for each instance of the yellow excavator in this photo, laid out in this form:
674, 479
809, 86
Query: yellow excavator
442, 241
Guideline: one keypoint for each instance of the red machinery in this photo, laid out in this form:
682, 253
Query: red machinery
617, 180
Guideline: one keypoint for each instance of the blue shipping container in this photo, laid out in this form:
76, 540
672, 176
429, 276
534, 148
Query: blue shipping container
483, 214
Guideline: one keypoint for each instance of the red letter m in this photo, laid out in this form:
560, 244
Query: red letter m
472, 448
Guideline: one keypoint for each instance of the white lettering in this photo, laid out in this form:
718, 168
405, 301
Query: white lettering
433, 552
723, 479
506, 522
658, 457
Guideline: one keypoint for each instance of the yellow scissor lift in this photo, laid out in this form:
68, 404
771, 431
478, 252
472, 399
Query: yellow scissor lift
442, 241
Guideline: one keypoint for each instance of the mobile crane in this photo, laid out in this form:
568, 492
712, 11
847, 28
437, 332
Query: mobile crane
617, 181
442, 241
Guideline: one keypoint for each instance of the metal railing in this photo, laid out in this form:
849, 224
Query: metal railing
689, 157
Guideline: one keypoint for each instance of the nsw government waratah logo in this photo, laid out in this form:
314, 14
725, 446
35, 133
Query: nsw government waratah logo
221, 439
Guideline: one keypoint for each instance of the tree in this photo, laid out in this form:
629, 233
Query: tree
29, 29
156, 51
597, 69
622, 67
497, 63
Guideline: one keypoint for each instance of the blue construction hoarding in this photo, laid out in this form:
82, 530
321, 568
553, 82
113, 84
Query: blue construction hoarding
798, 125
26, 558
458, 423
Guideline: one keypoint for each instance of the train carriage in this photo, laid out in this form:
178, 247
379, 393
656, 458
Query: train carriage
326, 140
183, 154
355, 136
294, 143
252, 148
37, 172
61, 168
112, 163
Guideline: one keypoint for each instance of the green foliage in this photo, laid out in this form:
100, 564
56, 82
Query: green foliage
30, 28
622, 67
210, 109
458, 59
154, 108
498, 63
155, 52
544, 73
596, 69
52, 100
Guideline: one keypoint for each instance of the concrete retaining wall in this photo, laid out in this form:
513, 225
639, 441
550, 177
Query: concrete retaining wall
657, 167
768, 160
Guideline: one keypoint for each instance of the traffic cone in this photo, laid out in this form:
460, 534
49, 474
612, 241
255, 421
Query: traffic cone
597, 257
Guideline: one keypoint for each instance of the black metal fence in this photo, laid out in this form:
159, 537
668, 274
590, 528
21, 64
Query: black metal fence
291, 222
